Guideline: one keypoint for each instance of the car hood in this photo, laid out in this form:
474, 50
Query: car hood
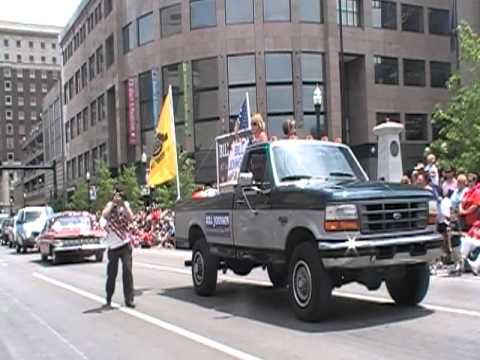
74, 234
316, 194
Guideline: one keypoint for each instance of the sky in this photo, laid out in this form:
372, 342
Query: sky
42, 12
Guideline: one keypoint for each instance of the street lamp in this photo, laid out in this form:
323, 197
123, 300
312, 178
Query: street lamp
144, 160
87, 177
317, 102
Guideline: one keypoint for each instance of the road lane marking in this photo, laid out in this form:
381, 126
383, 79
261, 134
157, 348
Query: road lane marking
52, 330
344, 294
154, 321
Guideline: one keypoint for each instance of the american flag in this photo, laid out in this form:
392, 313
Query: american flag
244, 115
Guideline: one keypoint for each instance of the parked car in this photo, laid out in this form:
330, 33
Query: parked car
3, 217
7, 232
29, 223
70, 234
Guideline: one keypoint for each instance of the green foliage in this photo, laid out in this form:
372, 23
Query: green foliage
79, 200
57, 204
128, 183
459, 121
105, 186
166, 194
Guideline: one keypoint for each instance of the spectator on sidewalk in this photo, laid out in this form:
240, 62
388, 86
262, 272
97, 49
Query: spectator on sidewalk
449, 182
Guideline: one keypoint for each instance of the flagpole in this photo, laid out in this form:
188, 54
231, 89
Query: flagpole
248, 112
174, 141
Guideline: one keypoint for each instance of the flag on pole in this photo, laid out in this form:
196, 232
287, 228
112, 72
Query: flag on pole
163, 164
244, 115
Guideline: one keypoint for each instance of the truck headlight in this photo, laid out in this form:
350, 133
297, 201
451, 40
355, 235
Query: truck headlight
432, 212
341, 218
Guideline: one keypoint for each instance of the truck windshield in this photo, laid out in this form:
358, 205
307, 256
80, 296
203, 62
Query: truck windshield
31, 216
314, 160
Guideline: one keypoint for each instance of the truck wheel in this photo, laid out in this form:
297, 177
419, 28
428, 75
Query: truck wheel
55, 258
204, 269
278, 275
310, 286
411, 288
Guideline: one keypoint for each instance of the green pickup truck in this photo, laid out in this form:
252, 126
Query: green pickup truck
307, 213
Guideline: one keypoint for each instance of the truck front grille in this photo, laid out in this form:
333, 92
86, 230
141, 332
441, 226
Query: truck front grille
393, 215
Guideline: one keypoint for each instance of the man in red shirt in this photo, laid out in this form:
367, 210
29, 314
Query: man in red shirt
470, 205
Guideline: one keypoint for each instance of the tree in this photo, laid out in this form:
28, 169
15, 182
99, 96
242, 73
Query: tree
166, 194
105, 186
79, 200
459, 122
128, 183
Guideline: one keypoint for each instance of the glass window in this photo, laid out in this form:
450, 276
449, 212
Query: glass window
280, 98
101, 108
202, 13
412, 18
237, 96
439, 73
205, 134
416, 127
93, 113
174, 75
312, 67
414, 72
128, 38
85, 119
239, 11
384, 117
384, 14
278, 67
171, 20
107, 6
91, 67
386, 70
84, 75
145, 29
276, 10
109, 51
311, 11
241, 70
439, 21
350, 10
99, 55
146, 100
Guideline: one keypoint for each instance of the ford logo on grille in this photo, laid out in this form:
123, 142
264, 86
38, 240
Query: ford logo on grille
397, 216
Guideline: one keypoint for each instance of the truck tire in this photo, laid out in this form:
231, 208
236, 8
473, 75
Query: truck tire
204, 269
310, 286
411, 288
55, 258
278, 275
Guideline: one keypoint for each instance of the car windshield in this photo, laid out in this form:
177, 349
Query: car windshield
317, 161
71, 222
31, 216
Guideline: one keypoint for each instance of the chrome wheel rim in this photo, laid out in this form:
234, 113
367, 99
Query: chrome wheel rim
302, 283
198, 268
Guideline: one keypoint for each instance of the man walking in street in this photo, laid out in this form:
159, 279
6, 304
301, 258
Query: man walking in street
115, 218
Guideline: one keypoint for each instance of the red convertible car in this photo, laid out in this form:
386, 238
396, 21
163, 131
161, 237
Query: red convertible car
71, 234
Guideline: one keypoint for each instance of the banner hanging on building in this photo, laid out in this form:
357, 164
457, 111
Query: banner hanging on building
132, 122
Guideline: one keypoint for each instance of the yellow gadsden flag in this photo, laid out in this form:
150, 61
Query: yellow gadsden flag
163, 164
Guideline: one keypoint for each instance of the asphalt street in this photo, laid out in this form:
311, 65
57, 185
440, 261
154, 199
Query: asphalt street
56, 312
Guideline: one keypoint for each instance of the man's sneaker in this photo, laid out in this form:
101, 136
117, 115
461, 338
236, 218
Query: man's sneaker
130, 305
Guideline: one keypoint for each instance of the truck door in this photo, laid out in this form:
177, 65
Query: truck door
253, 225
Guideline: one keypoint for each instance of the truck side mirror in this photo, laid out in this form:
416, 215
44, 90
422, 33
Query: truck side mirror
245, 179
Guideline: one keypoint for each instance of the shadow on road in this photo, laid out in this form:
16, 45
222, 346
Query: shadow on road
100, 310
271, 306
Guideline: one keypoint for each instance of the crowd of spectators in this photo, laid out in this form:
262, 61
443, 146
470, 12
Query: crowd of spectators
153, 226
457, 194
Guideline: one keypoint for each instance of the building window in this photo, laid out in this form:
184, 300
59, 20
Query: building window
384, 14
91, 67
5, 42
439, 74
10, 129
103, 152
8, 115
33, 88
101, 108
171, 20
6, 57
20, 87
77, 81
33, 115
8, 100
21, 115
94, 160
384, 117
7, 72
19, 44
413, 72
32, 74
312, 72
83, 75
276, 10
79, 123
128, 38
67, 132
54, 75
80, 165
145, 96
8, 85
107, 7
350, 12
43, 75
30, 44
241, 80
99, 55
31, 58
72, 128
110, 51
279, 90
174, 75
20, 74
145, 29
205, 102
19, 58
311, 11
21, 129
10, 156
54, 46
416, 127
10, 144
21, 101
439, 21
43, 59
203, 13
238, 12
85, 119
42, 45
33, 101
44, 88
412, 18
93, 113
386, 70
70, 89
54, 60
